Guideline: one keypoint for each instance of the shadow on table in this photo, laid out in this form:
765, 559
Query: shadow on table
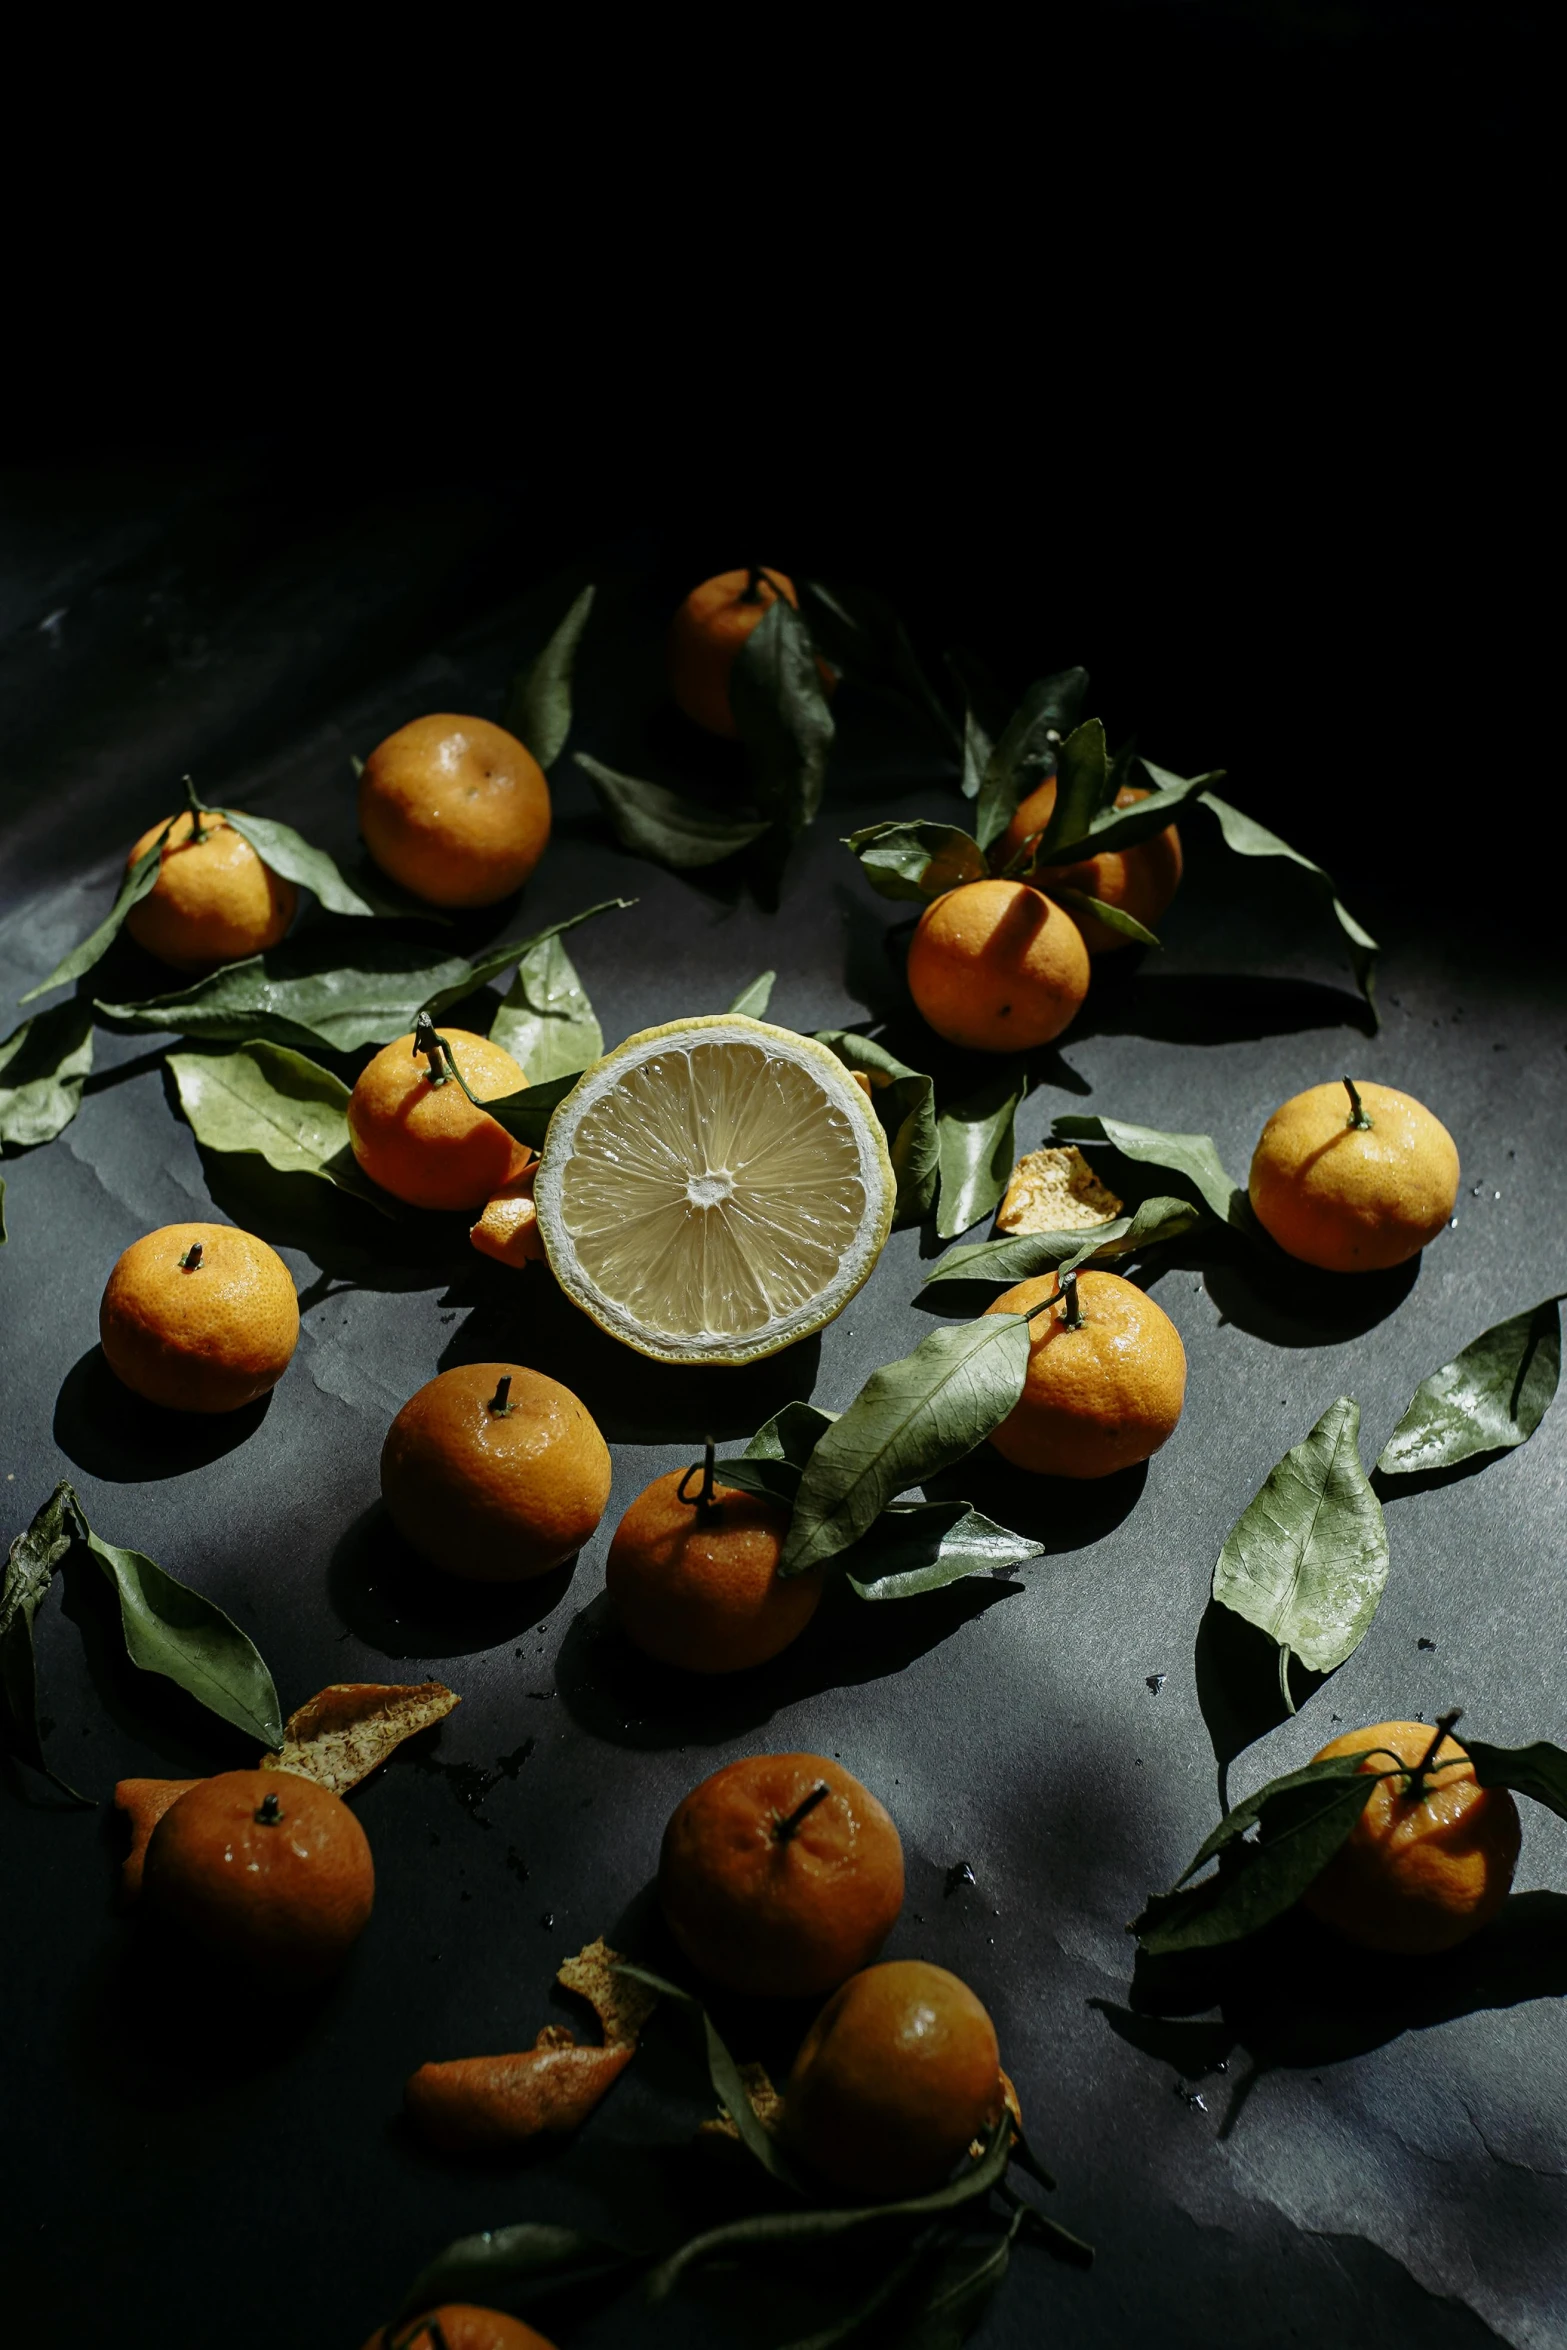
1287, 2000
397, 1603
1273, 1297
1202, 1007
111, 1433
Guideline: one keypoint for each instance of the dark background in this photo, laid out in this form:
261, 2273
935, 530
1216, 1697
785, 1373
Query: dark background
1206, 351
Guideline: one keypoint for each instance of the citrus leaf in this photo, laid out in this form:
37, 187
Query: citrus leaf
917, 1548
790, 1435
754, 1000
977, 1146
775, 692
525, 1115
29, 1571
910, 1419
904, 1100
1249, 839
138, 883
1191, 1155
915, 862
1123, 828
779, 2229
1020, 1256
538, 710
1488, 1398
173, 1630
861, 634
271, 1101
497, 959
660, 824
962, 2288
769, 1480
1307, 1558
43, 1065
728, 2086
1302, 1818
1083, 787
545, 1021
1026, 751
977, 750
1114, 918
493, 2266
289, 854
1538, 1771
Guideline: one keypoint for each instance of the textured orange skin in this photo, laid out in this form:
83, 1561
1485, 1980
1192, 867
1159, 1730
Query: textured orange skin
144, 1802
1140, 880
490, 2104
1345, 1200
495, 1497
463, 2326
209, 1338
1418, 1876
1100, 1398
292, 1898
427, 1144
455, 809
704, 637
699, 1588
213, 900
997, 967
780, 1918
508, 1225
898, 2074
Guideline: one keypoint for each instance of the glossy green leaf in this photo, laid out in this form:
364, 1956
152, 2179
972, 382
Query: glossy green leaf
525, 1115
1190, 1155
724, 2073
915, 862
501, 2264
138, 883
923, 1546
1027, 750
497, 959
170, 1629
778, 2230
29, 1571
538, 711
904, 1100
1302, 1819
1249, 839
1123, 828
290, 855
911, 1418
546, 1022
271, 1101
1083, 787
1538, 1771
775, 692
660, 824
1116, 918
1307, 1558
1021, 1256
858, 631
1488, 1398
43, 1066
754, 1000
977, 1143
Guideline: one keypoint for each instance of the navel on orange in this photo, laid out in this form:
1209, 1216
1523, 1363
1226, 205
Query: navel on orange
199, 1317
213, 900
455, 809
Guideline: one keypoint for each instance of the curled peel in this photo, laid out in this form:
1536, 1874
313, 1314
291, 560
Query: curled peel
508, 1225
1055, 1190
340, 1736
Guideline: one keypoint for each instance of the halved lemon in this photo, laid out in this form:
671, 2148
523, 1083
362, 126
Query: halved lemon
713, 1190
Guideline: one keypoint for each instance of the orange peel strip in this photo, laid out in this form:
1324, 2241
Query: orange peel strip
144, 1802
508, 1225
341, 1735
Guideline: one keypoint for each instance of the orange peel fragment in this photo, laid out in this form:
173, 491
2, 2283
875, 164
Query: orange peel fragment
342, 1734
508, 1225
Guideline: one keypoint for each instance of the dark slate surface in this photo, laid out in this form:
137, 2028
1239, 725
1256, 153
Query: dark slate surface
1328, 2148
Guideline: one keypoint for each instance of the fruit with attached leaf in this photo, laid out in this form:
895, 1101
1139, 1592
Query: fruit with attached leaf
1140, 880
415, 1132
707, 634
692, 1575
997, 967
1106, 1376
213, 901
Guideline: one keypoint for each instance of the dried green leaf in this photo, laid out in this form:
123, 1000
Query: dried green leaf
545, 1021
1249, 839
977, 1144
1020, 1256
754, 1000
1307, 1558
660, 824
728, 2083
290, 855
1191, 1155
538, 711
1114, 918
923, 1546
138, 883
791, 1434
497, 959
526, 1115
915, 862
271, 1101
1123, 828
1538, 1771
960, 2289
775, 692
1488, 1398
29, 1571
1303, 1818
904, 1100
531, 2258
43, 1065
911, 1418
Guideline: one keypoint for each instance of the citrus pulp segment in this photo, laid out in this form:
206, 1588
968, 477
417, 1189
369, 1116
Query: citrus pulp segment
713, 1190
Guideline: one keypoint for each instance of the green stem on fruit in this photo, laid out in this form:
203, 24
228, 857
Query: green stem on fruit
1357, 1108
191, 1260
1418, 1789
702, 1500
500, 1402
784, 1829
434, 1048
1284, 1681
198, 809
270, 1814
1066, 1287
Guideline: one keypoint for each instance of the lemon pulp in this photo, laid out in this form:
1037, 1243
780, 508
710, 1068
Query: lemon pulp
714, 1190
